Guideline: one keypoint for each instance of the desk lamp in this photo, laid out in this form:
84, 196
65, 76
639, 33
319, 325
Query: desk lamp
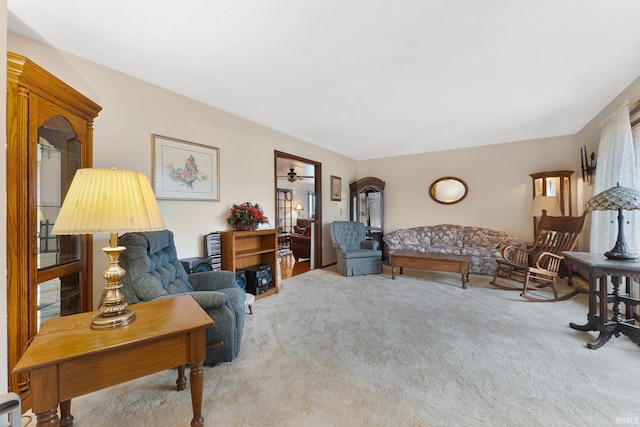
109, 201
617, 198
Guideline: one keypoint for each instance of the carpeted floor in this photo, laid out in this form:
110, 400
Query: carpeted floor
418, 351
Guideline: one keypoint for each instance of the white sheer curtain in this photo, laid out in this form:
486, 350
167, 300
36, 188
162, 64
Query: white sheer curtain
616, 164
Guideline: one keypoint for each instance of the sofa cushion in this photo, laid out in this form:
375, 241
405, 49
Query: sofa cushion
479, 251
419, 236
483, 237
447, 234
444, 249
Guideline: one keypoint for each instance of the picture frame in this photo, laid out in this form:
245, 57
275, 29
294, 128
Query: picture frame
336, 188
183, 170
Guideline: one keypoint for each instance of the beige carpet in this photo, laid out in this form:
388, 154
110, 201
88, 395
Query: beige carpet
418, 351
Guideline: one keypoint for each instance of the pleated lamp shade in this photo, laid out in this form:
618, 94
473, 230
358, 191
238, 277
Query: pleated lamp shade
108, 201
550, 204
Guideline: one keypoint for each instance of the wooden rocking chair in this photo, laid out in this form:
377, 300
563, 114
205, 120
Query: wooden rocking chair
539, 266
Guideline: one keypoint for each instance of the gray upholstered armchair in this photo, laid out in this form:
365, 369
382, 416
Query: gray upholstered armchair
153, 270
356, 255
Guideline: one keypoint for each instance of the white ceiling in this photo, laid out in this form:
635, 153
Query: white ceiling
366, 78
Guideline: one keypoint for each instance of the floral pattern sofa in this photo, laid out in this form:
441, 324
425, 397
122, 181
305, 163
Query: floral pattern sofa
483, 244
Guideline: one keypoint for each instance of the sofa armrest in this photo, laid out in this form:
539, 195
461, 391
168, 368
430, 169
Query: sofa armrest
212, 280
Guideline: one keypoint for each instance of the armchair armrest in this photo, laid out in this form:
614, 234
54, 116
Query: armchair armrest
548, 261
515, 255
205, 299
340, 246
208, 300
212, 280
369, 244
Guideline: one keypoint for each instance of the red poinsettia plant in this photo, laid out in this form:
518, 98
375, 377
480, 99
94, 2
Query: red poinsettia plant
247, 214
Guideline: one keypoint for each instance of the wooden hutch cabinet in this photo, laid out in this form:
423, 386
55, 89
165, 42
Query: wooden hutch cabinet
554, 184
49, 137
367, 206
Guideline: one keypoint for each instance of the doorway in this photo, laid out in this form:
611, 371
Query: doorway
298, 196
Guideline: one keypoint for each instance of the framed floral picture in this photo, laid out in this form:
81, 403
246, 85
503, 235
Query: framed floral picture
336, 188
184, 170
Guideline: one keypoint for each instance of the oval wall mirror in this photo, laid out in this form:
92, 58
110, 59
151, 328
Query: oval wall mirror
448, 190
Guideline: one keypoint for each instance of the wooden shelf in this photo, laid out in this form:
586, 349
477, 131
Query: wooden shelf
241, 249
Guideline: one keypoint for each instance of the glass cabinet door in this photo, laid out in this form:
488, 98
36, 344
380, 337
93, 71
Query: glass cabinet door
554, 184
58, 285
367, 205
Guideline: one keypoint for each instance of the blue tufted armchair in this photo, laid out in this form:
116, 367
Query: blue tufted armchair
153, 270
356, 255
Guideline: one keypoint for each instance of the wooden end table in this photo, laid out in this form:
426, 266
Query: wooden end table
68, 359
431, 261
602, 270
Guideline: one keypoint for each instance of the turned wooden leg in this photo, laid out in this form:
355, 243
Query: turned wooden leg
181, 382
48, 418
66, 419
44, 395
197, 383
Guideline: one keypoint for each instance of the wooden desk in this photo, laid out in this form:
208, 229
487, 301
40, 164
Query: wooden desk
68, 359
431, 261
600, 270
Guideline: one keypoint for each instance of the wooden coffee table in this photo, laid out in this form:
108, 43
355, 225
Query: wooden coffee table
68, 359
430, 261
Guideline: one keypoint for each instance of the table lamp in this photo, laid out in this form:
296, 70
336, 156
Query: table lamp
617, 198
543, 203
109, 201
298, 208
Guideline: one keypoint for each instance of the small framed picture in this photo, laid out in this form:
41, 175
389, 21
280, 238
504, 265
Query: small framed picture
183, 170
336, 188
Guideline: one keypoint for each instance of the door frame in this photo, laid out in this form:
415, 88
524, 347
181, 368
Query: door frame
317, 176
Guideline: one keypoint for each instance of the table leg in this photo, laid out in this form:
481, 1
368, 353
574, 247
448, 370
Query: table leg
197, 383
592, 318
599, 342
48, 418
66, 419
44, 395
181, 382
393, 271
464, 269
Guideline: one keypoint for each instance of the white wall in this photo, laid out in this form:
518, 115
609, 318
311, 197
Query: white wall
133, 110
500, 188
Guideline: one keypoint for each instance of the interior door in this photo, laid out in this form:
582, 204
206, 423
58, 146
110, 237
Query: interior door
282, 164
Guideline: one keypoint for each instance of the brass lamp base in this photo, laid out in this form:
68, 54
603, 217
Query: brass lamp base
113, 308
102, 321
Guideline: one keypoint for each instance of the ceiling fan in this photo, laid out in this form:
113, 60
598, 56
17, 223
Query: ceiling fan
292, 176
